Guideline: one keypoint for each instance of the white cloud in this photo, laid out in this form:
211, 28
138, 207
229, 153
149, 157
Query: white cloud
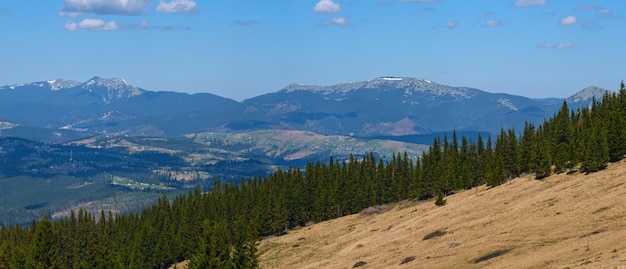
530, 3
338, 21
603, 13
244, 23
92, 25
178, 6
550, 45
106, 7
492, 23
327, 6
69, 14
565, 45
71, 26
451, 24
569, 20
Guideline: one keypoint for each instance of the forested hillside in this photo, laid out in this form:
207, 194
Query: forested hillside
217, 229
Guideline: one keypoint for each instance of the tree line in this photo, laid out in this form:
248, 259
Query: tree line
219, 228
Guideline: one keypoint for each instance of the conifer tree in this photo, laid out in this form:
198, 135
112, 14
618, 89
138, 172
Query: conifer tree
244, 240
480, 161
561, 139
440, 200
44, 251
4, 254
467, 170
542, 165
527, 154
215, 248
595, 147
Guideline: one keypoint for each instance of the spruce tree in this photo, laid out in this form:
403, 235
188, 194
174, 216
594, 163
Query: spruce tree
440, 200
4, 254
542, 164
43, 252
596, 150
526, 155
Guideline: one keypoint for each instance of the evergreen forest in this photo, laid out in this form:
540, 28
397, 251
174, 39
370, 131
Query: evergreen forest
219, 228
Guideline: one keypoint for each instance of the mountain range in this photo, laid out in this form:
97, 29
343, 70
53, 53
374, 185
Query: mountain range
386, 106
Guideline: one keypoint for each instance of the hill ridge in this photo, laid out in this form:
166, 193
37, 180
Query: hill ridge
411, 106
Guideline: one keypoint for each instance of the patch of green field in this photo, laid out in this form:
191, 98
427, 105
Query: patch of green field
135, 185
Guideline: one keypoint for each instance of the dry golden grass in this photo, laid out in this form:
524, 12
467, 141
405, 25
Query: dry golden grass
180, 265
564, 221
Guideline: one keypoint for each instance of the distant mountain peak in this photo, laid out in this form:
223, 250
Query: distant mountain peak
393, 82
107, 82
116, 88
59, 84
55, 85
404, 79
587, 94
388, 83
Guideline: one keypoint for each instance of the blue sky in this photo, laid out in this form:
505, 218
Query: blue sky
243, 48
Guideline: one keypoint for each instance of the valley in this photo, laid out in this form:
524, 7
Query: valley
125, 174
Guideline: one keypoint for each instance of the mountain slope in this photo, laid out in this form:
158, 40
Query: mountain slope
586, 96
386, 106
395, 106
111, 106
563, 221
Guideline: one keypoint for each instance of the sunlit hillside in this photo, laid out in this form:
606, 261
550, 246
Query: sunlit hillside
563, 221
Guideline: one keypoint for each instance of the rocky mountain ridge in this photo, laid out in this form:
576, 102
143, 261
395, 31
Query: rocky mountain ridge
388, 106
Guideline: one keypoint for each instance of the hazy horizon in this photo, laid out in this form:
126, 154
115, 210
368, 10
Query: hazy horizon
241, 49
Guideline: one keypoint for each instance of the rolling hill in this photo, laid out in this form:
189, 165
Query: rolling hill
563, 221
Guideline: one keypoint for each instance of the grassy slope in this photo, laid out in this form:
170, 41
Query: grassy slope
564, 221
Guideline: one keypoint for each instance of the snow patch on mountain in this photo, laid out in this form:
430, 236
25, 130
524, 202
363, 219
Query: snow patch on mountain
54, 85
59, 84
507, 103
407, 85
6, 125
391, 78
116, 88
